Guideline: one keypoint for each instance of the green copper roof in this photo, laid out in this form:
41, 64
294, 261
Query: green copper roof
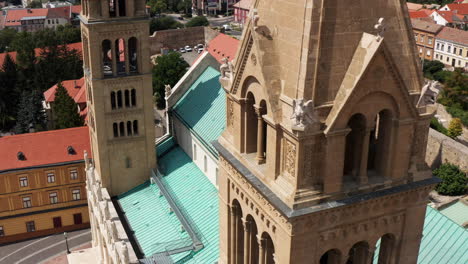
203, 107
458, 212
443, 241
156, 228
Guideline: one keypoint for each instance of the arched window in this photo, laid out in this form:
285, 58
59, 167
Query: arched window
353, 147
120, 55
127, 98
133, 97
133, 54
262, 148
122, 129
251, 125
122, 8
379, 145
135, 127
116, 130
359, 253
237, 231
385, 246
332, 256
129, 128
119, 99
113, 100
253, 247
268, 249
107, 58
112, 8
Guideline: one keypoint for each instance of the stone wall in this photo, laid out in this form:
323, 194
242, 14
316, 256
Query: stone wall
441, 148
178, 38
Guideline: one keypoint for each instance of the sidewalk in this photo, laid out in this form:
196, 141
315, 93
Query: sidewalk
62, 259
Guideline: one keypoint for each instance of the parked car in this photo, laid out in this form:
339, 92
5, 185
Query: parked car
188, 48
200, 46
227, 27
200, 50
180, 18
182, 50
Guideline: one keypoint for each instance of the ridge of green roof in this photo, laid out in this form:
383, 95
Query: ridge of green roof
156, 228
203, 107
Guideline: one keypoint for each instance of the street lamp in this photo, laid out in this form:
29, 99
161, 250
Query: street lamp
66, 242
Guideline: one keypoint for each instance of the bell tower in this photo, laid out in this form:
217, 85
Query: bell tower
118, 81
322, 159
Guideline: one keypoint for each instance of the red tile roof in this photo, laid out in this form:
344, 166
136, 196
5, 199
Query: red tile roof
14, 16
420, 14
43, 148
450, 16
454, 35
223, 46
73, 46
75, 88
413, 6
76, 9
461, 9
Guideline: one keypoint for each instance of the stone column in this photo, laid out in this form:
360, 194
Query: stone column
233, 241
246, 241
105, 8
260, 145
113, 58
127, 57
363, 179
261, 250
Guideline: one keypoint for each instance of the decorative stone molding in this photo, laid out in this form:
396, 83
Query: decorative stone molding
429, 93
289, 158
167, 90
380, 27
230, 113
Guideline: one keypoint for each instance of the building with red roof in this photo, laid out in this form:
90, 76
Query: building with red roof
42, 183
34, 19
76, 89
449, 18
451, 47
78, 46
223, 46
461, 9
241, 11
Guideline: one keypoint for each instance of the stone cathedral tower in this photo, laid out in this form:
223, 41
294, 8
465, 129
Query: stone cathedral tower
322, 159
118, 80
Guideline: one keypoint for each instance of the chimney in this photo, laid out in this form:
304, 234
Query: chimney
76, 85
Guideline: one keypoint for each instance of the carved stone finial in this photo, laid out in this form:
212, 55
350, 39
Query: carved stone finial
168, 90
255, 18
380, 27
429, 93
226, 69
303, 114
125, 255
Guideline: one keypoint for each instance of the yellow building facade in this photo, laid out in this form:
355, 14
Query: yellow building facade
46, 198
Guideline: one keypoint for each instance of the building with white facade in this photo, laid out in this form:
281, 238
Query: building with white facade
451, 47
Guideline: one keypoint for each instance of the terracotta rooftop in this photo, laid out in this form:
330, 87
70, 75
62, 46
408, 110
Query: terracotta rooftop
413, 6
450, 16
426, 26
454, 35
75, 88
420, 14
461, 9
73, 46
14, 16
43, 148
243, 4
223, 46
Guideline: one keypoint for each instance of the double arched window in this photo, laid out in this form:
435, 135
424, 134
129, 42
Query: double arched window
125, 129
119, 57
120, 99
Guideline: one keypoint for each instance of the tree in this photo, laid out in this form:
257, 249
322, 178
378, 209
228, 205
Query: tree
168, 70
30, 112
197, 22
65, 110
24, 44
454, 181
9, 95
163, 23
432, 67
7, 35
157, 6
35, 4
455, 128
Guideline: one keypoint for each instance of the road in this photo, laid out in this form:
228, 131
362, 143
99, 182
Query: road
39, 249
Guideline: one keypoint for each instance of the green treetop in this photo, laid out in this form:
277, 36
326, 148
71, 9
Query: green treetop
65, 110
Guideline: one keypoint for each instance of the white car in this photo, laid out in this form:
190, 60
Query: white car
188, 48
200, 50
227, 27
200, 46
182, 50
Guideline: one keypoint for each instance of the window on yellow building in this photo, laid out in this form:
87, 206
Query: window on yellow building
27, 202
2, 233
429, 40
53, 197
50, 177
74, 174
30, 226
76, 195
416, 37
23, 181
